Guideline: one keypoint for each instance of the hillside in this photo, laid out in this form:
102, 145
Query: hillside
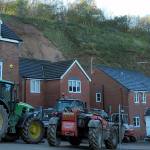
34, 45
56, 40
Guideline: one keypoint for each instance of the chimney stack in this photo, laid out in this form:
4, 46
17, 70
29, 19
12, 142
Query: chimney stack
1, 27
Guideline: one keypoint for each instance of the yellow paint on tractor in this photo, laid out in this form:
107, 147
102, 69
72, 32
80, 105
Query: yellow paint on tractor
35, 130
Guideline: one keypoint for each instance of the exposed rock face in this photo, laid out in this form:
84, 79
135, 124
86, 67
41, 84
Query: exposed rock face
34, 45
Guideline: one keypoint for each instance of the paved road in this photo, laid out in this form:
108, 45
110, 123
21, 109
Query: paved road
65, 146
19, 145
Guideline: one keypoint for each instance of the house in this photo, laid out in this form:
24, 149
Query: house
9, 53
111, 87
43, 82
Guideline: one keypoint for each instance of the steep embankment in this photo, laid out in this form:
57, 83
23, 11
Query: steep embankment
34, 45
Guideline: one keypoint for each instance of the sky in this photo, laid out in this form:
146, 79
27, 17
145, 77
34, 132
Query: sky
123, 7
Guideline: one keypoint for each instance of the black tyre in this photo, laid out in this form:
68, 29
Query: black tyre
3, 121
10, 137
132, 139
95, 138
52, 135
32, 131
125, 140
112, 141
75, 141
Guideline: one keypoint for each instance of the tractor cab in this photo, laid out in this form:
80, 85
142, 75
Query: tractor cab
7, 94
6, 89
64, 104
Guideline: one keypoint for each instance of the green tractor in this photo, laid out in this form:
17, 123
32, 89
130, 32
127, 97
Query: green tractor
17, 119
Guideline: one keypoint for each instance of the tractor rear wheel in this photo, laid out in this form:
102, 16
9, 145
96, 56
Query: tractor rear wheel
95, 137
52, 135
3, 121
112, 141
32, 131
75, 141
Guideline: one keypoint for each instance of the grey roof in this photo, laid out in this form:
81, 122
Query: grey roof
6, 32
132, 80
43, 69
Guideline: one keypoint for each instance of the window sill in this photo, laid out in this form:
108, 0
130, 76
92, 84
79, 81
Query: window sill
98, 101
136, 103
35, 92
75, 92
136, 126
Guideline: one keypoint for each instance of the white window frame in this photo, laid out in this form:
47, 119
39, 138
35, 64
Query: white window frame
137, 121
76, 83
37, 86
144, 97
136, 97
98, 97
1, 71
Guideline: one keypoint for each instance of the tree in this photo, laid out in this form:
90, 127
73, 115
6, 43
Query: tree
22, 8
85, 12
144, 23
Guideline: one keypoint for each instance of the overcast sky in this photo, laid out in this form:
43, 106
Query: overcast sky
123, 7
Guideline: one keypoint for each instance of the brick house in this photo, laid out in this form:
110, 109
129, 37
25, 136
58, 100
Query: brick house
9, 53
43, 82
111, 87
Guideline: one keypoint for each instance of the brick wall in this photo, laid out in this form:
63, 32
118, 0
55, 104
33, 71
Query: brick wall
113, 93
52, 92
138, 109
9, 54
35, 99
85, 85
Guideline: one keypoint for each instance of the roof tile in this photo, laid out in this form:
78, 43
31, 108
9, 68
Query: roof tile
132, 80
6, 32
43, 69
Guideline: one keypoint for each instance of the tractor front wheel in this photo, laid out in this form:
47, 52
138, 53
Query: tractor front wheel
95, 137
3, 121
52, 135
112, 141
33, 131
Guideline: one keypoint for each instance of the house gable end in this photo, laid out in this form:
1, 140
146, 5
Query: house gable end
80, 67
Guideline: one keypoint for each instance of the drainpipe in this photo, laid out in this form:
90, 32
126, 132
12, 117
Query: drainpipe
103, 98
1, 28
23, 89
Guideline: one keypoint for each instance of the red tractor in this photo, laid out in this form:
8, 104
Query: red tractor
74, 123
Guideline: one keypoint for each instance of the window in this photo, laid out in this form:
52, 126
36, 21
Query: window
35, 86
74, 86
1, 70
136, 97
136, 121
98, 97
144, 97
